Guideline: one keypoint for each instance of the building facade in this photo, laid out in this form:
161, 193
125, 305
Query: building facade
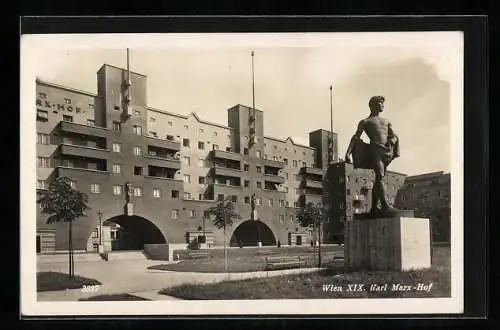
170, 167
434, 185
348, 192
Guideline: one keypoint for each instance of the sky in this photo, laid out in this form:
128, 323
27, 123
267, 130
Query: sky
416, 72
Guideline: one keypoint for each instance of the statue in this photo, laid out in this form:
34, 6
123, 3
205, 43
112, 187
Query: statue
377, 155
128, 188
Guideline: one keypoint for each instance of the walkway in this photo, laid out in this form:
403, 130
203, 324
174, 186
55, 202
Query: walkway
133, 277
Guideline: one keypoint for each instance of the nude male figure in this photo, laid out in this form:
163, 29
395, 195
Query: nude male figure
383, 148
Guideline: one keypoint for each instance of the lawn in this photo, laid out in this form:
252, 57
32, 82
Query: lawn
312, 285
112, 297
246, 259
54, 281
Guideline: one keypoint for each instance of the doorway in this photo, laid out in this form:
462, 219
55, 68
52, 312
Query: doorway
38, 244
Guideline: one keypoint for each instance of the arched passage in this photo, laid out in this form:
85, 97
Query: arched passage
250, 232
133, 232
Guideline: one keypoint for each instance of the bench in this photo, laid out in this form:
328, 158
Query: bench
278, 262
198, 254
265, 252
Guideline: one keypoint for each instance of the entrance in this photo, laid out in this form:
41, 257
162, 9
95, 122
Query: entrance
299, 240
38, 244
248, 233
135, 231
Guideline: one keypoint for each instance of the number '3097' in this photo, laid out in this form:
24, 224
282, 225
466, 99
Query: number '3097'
90, 288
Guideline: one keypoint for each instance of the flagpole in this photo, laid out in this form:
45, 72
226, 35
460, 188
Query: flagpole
331, 124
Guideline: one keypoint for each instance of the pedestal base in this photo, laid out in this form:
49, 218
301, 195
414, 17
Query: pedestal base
399, 243
259, 244
129, 209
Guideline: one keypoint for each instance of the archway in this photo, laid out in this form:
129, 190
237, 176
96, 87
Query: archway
249, 232
133, 232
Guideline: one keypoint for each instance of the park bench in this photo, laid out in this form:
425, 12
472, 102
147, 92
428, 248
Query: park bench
280, 262
198, 254
265, 252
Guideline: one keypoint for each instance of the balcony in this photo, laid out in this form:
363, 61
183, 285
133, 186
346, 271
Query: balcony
274, 178
308, 198
313, 171
82, 173
272, 163
313, 184
83, 151
226, 155
163, 143
83, 129
163, 162
226, 171
359, 197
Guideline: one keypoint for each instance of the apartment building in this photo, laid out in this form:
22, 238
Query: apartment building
435, 185
348, 192
172, 167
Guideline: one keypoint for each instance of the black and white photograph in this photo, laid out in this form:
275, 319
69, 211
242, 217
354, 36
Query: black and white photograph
251, 173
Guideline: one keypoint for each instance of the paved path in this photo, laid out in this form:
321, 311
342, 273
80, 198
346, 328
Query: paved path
132, 276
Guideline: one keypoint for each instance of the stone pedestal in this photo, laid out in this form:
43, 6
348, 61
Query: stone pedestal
259, 244
399, 243
129, 209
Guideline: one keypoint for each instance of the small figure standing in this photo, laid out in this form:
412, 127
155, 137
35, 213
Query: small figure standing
128, 187
377, 155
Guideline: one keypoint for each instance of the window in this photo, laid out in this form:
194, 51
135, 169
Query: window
201, 197
247, 183
285, 189
287, 203
282, 218
295, 204
67, 101
259, 169
137, 191
185, 143
201, 180
41, 184
42, 115
156, 192
137, 130
42, 95
90, 122
201, 145
215, 146
138, 151
265, 156
292, 218
186, 127
170, 137
259, 185
220, 197
43, 162
175, 194
169, 123
153, 134
192, 214
117, 147
234, 199
187, 195
117, 126
201, 130
258, 201
286, 175
186, 160
215, 134
297, 177
68, 118
270, 202
175, 214
297, 191
258, 154
42, 138
95, 188
247, 200
137, 170
282, 203
67, 163
152, 119
246, 167
117, 168
245, 151
275, 158
187, 178
117, 190
201, 162
228, 149
116, 107
304, 164
294, 162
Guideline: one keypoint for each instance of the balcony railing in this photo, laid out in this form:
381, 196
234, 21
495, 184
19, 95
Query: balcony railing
274, 178
359, 197
273, 163
313, 184
226, 171
163, 143
164, 162
83, 129
313, 170
226, 155
84, 151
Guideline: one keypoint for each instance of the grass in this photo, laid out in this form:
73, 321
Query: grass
55, 281
310, 285
245, 259
112, 297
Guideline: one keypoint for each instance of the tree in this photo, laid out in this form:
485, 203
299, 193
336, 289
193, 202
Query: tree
223, 214
310, 216
438, 210
64, 204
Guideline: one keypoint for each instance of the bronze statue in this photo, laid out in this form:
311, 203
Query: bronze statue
377, 155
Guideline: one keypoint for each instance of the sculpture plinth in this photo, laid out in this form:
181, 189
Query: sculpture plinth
396, 243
